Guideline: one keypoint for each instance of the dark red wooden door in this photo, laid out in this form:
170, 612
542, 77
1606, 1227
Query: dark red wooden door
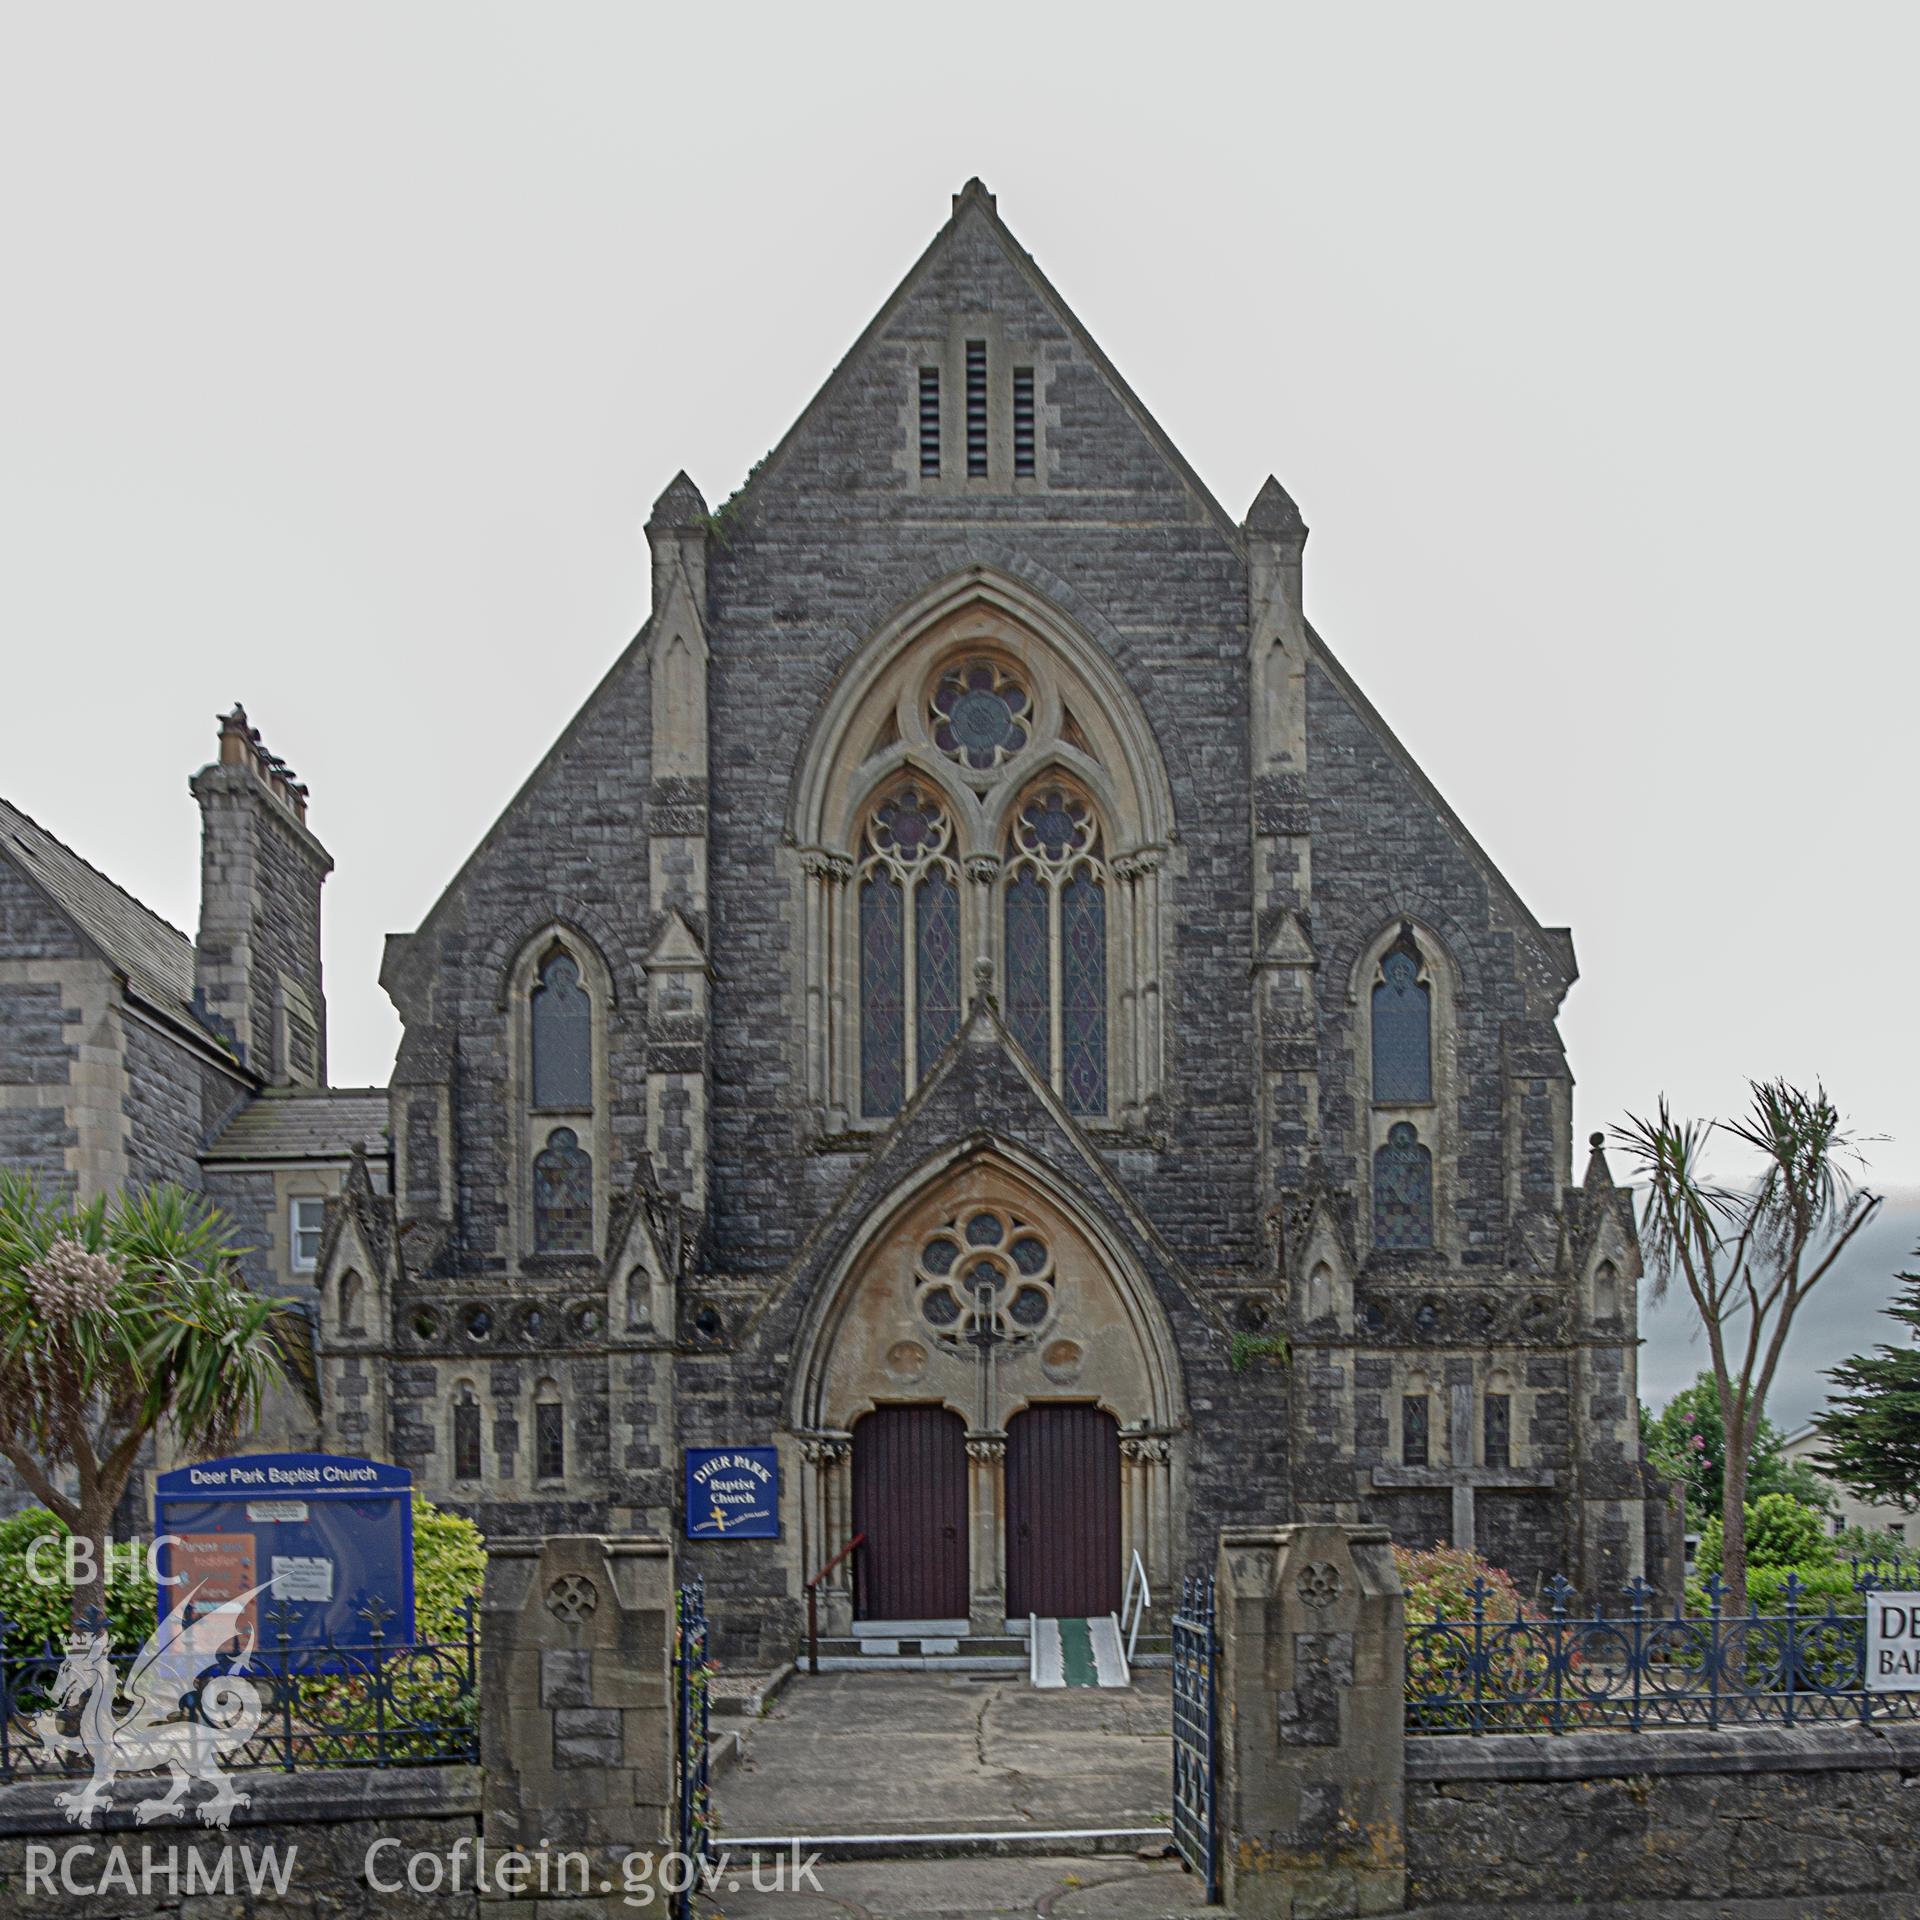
910, 1500
1063, 1512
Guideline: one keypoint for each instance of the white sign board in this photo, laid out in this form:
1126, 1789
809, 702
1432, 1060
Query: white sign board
301, 1576
286, 1510
1893, 1642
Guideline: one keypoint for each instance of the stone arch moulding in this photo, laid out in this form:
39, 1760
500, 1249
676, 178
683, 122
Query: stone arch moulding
865, 1306
876, 731
1099, 1336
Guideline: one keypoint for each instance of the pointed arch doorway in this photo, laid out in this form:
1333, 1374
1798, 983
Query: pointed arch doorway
985, 1324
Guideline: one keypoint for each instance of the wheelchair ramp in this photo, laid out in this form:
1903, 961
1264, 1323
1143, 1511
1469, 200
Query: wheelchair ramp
1077, 1653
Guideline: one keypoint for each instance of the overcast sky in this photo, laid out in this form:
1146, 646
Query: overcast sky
343, 350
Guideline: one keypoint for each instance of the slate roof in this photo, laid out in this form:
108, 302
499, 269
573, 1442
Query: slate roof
156, 958
305, 1123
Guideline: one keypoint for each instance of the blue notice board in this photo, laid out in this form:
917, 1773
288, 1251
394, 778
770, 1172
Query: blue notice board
733, 1493
324, 1537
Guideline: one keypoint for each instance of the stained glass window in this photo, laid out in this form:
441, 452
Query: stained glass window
562, 1038
562, 1195
1402, 1032
1029, 981
1499, 1430
466, 1436
883, 1057
1083, 993
1413, 1430
1057, 891
1403, 1191
981, 714
550, 1441
936, 912
909, 911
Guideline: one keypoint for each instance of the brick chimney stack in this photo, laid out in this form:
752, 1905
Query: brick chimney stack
257, 975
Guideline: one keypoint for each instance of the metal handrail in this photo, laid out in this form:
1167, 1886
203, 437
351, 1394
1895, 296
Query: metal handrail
813, 1599
1137, 1608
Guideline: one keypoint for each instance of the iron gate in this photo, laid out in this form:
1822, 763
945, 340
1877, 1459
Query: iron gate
1195, 1693
692, 1674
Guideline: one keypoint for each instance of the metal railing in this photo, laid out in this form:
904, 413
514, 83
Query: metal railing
693, 1771
1560, 1671
1196, 1685
1136, 1605
813, 1600
378, 1703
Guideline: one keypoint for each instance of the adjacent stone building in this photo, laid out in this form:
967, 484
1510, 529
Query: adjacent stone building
976, 1001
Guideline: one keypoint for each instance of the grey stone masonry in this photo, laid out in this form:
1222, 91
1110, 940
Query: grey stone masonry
576, 1722
1312, 1722
1657, 1821
257, 972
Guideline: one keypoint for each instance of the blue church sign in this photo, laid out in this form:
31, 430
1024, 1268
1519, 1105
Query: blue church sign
326, 1539
733, 1493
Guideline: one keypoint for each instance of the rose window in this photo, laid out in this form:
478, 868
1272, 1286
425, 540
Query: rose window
985, 1276
981, 714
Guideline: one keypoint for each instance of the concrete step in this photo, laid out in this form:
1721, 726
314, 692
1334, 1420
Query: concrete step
868, 1652
990, 1843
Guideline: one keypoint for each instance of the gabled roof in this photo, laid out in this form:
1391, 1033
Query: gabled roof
155, 957
973, 201
305, 1123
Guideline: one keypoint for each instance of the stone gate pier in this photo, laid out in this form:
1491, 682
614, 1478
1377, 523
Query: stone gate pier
576, 1729
1312, 1781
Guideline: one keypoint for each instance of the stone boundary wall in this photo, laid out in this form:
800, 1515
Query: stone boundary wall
330, 1819
1662, 1818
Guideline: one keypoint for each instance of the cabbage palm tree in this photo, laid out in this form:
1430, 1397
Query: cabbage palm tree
1749, 1254
115, 1317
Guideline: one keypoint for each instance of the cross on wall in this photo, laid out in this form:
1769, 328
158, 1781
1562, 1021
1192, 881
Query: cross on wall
1463, 1479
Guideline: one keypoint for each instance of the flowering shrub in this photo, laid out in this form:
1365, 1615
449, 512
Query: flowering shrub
1448, 1669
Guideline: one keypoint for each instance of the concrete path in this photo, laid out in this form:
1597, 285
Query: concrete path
853, 1753
1036, 1889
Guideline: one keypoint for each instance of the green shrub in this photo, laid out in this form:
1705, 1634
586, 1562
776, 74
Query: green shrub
1780, 1533
40, 1608
1869, 1543
339, 1712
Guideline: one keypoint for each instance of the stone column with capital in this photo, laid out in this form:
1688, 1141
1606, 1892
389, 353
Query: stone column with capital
576, 1709
1311, 1785
987, 1466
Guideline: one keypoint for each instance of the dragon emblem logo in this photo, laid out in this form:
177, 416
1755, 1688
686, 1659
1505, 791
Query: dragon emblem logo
135, 1724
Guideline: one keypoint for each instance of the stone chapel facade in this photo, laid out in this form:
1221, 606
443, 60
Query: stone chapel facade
978, 1001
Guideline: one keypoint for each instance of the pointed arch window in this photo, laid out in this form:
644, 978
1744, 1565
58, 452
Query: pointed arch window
977, 705
562, 1037
1403, 1190
466, 1432
1055, 924
549, 1432
560, 997
1402, 1027
909, 895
